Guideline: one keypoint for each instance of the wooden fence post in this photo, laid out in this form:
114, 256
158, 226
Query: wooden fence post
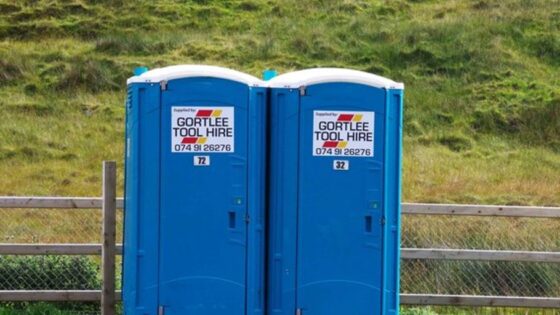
108, 250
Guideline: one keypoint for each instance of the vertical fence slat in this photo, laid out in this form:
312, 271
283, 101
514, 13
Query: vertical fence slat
109, 237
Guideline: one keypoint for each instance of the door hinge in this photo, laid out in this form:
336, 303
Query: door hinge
163, 85
302, 90
299, 311
382, 220
161, 310
247, 219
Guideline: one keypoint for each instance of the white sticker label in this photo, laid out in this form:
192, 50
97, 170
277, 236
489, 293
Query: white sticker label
341, 165
343, 133
202, 129
201, 160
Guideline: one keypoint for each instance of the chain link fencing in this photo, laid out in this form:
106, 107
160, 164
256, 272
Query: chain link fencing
53, 226
53, 272
468, 277
417, 276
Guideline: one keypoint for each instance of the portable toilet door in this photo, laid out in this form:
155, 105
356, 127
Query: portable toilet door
335, 174
194, 199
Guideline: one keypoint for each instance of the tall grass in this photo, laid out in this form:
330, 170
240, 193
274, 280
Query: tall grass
481, 76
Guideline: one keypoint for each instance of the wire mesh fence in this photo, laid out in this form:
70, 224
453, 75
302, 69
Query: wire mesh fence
49, 226
495, 278
491, 233
53, 225
49, 273
463, 277
417, 276
53, 272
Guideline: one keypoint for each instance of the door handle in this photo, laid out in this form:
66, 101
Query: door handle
232, 220
368, 223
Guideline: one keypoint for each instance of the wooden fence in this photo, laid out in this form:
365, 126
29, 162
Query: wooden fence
108, 250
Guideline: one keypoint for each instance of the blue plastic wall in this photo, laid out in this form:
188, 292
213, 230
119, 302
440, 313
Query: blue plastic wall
333, 234
194, 235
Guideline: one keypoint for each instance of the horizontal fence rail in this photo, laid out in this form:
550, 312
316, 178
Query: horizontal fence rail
407, 208
481, 210
54, 202
53, 249
406, 299
54, 295
478, 300
406, 253
481, 255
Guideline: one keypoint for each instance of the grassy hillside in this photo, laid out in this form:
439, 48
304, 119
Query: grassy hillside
482, 84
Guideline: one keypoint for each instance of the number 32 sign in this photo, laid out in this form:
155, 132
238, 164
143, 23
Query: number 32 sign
341, 165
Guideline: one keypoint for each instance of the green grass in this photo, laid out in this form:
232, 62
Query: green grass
482, 90
42, 308
38, 309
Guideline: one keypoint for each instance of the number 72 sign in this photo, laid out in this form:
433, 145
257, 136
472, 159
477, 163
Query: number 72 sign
201, 160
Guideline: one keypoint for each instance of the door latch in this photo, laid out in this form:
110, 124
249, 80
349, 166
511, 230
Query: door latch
299, 311
161, 310
302, 90
163, 85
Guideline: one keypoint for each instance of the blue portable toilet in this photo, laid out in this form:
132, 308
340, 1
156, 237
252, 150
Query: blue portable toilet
334, 201
194, 192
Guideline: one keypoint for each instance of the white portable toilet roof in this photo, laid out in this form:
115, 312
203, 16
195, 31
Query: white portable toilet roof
189, 71
330, 75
